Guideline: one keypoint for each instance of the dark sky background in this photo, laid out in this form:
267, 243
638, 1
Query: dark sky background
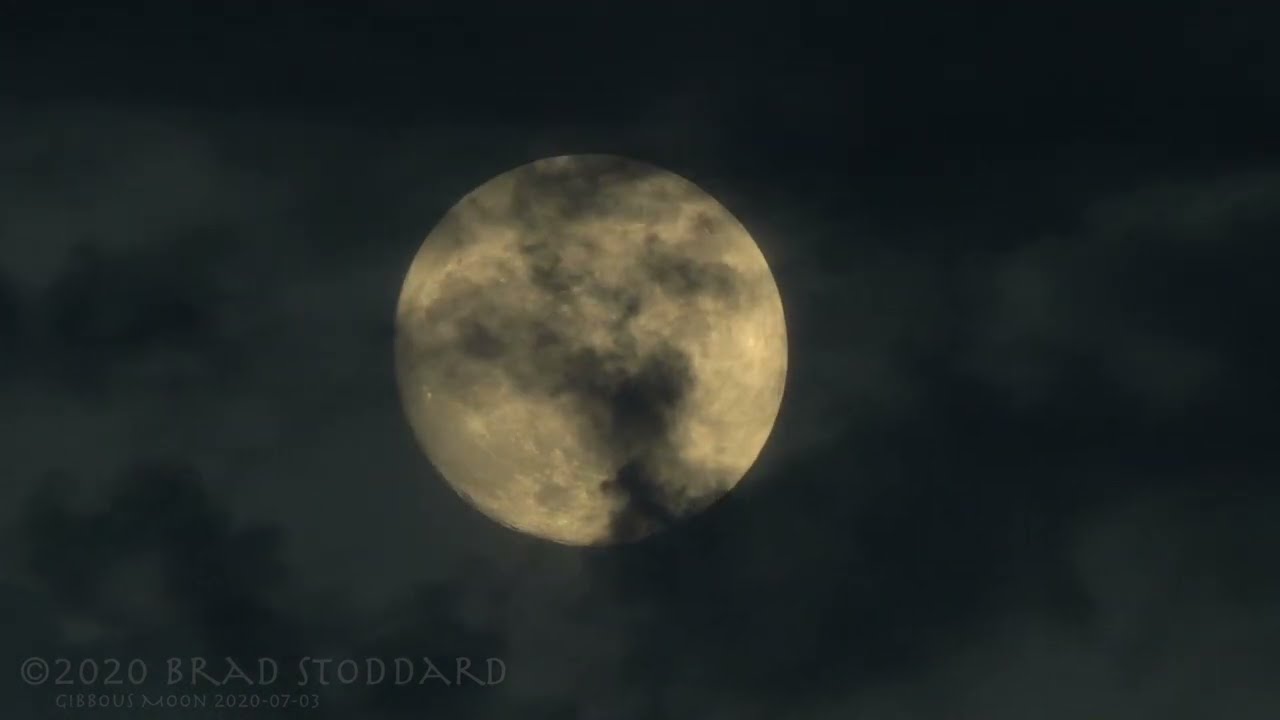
1022, 469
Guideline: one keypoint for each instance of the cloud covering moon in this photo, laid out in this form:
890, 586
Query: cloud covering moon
590, 348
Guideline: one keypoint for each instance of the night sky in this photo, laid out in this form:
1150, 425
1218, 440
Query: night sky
1022, 468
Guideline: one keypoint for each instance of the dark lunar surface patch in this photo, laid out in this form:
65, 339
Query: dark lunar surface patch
547, 271
575, 190
479, 341
684, 277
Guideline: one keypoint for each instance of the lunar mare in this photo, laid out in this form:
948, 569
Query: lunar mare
590, 348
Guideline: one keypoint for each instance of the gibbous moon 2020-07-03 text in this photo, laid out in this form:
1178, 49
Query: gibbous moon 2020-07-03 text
590, 349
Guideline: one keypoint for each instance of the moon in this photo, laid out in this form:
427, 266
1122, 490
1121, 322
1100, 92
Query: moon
590, 349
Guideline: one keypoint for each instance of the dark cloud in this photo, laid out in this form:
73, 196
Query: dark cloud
154, 569
112, 312
430, 618
900, 544
953, 494
1023, 469
11, 327
1151, 295
205, 573
628, 403
641, 410
1164, 635
158, 568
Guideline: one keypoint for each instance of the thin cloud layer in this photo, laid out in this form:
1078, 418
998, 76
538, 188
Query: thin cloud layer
1004, 484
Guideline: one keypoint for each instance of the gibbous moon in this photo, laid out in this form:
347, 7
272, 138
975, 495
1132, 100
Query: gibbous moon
590, 349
